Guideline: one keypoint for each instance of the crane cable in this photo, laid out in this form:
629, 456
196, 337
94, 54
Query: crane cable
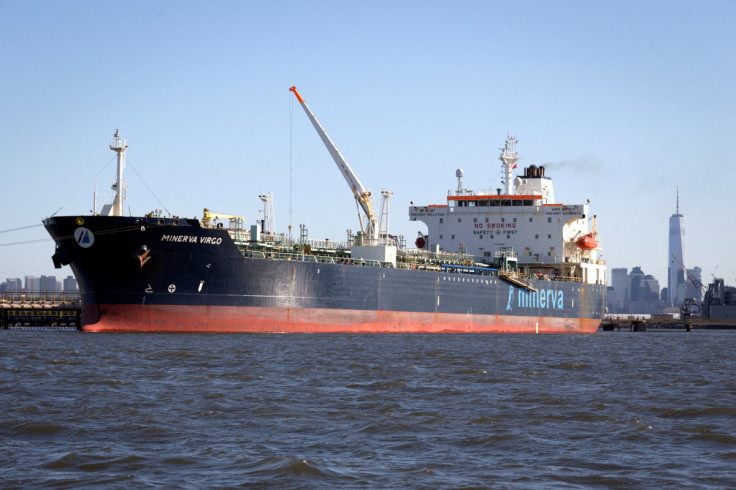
25, 241
19, 228
291, 157
149, 189
122, 229
37, 240
83, 186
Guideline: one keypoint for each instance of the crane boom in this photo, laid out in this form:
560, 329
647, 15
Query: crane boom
699, 286
208, 217
362, 195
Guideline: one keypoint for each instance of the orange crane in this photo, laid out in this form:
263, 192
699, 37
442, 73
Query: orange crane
362, 195
693, 280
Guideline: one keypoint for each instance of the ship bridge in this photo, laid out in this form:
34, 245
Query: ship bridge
546, 235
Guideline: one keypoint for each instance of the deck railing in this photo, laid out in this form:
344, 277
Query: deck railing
40, 298
414, 262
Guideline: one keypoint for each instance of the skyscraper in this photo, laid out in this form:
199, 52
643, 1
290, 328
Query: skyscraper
676, 258
70, 284
33, 283
619, 281
48, 283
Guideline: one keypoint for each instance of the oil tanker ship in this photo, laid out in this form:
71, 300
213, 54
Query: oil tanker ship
510, 261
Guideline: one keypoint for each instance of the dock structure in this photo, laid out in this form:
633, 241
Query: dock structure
40, 309
689, 324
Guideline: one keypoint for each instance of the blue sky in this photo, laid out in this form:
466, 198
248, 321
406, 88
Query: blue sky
623, 101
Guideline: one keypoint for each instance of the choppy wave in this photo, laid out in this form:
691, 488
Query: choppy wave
377, 411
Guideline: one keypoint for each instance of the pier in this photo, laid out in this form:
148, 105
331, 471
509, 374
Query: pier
40, 310
689, 324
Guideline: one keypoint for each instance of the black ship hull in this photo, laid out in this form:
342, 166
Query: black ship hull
173, 275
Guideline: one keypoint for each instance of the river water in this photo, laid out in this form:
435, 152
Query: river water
619, 409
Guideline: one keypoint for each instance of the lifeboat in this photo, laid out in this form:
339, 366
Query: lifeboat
420, 243
586, 242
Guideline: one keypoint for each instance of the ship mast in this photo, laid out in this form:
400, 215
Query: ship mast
383, 225
509, 157
118, 146
268, 226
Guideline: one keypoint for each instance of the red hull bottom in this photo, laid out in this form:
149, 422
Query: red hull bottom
227, 319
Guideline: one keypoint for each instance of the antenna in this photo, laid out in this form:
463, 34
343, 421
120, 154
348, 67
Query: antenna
268, 225
383, 228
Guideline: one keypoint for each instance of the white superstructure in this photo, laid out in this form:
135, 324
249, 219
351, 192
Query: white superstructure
549, 238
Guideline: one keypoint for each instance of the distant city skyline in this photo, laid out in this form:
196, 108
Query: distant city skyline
636, 292
39, 284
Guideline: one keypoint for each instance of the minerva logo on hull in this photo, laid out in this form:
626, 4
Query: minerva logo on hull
542, 298
84, 237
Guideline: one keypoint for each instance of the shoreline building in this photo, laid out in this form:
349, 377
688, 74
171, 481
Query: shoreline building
618, 301
13, 285
676, 258
694, 286
70, 284
634, 293
33, 283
